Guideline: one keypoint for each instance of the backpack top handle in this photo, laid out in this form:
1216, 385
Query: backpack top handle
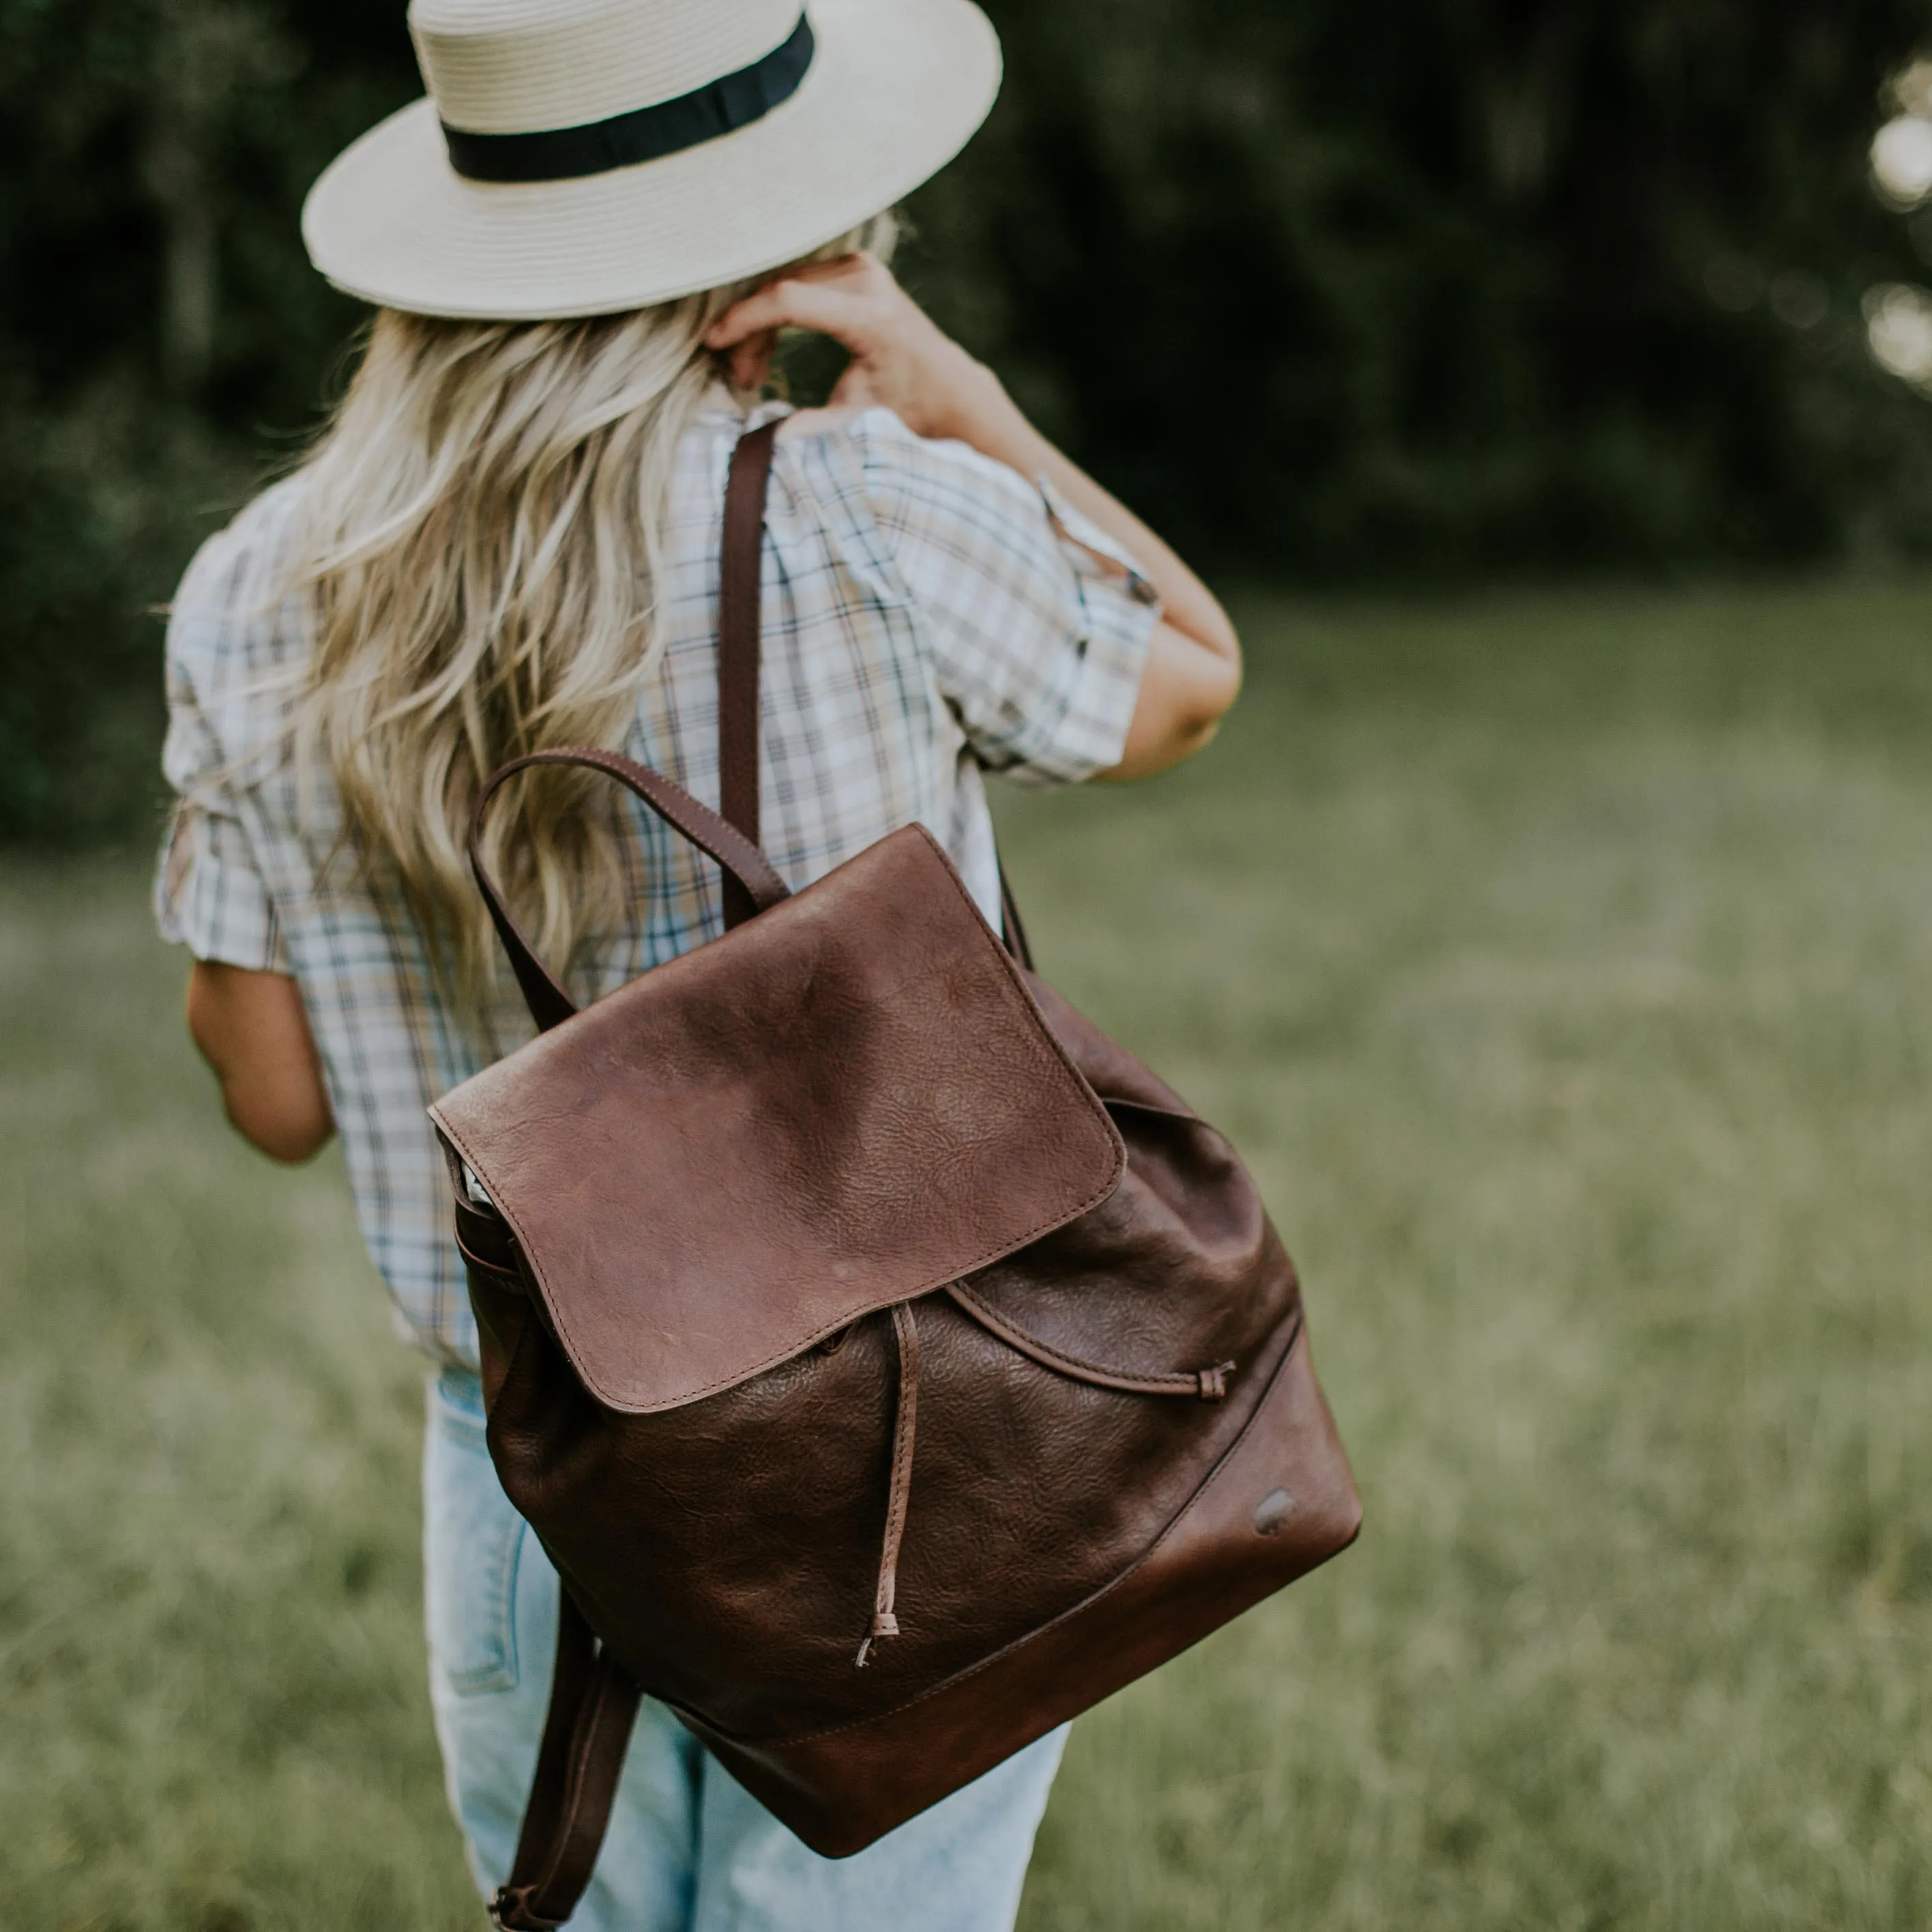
743, 863
751, 883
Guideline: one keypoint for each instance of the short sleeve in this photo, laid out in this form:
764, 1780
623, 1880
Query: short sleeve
209, 893
1039, 624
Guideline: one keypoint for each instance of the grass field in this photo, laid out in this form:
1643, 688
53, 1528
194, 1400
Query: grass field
1564, 966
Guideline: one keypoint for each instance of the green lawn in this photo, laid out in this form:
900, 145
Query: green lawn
1564, 967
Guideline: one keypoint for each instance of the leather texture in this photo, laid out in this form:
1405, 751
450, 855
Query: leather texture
851, 1101
848, 1299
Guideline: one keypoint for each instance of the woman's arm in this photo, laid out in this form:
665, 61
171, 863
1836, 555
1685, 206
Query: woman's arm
251, 1029
900, 358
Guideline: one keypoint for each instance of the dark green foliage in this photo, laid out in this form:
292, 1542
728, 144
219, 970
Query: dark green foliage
160, 335
1415, 291
1426, 286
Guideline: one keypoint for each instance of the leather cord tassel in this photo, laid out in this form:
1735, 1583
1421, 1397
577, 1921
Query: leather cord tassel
884, 1623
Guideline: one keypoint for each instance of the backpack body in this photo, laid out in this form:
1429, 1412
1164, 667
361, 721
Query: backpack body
891, 1364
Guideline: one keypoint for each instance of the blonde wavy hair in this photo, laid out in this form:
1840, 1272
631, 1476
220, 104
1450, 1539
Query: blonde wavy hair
480, 544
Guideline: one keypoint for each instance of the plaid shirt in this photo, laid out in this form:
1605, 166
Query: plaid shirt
927, 613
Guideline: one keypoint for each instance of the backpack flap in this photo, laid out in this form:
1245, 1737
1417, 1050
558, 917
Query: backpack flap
849, 1101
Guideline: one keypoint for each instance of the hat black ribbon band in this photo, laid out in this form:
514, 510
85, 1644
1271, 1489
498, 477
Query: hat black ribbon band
645, 134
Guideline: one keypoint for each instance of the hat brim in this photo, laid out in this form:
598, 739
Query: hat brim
895, 89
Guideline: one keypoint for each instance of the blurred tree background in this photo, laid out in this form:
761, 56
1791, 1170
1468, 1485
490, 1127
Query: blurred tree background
1463, 286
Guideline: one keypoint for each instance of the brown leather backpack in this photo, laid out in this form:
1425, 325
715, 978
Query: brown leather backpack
892, 1366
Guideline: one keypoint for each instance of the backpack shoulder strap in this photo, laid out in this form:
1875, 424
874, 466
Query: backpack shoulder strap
739, 637
740, 616
593, 1704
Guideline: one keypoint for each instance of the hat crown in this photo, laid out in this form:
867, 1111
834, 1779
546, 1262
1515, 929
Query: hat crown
519, 67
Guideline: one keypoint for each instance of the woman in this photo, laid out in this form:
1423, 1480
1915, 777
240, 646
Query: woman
509, 537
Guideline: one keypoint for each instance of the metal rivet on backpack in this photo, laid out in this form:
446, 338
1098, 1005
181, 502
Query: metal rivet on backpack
1273, 1510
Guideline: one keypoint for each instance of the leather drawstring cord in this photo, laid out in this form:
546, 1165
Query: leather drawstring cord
1204, 1384
884, 1623
1207, 1384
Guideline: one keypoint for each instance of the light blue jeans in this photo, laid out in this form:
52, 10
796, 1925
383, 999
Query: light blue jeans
689, 1850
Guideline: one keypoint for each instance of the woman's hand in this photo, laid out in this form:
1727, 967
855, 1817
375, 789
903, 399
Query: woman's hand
902, 359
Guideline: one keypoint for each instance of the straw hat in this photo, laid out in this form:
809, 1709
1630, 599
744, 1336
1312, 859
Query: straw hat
583, 157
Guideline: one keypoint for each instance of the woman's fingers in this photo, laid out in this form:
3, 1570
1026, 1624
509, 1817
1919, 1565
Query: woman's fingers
794, 303
900, 358
750, 361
